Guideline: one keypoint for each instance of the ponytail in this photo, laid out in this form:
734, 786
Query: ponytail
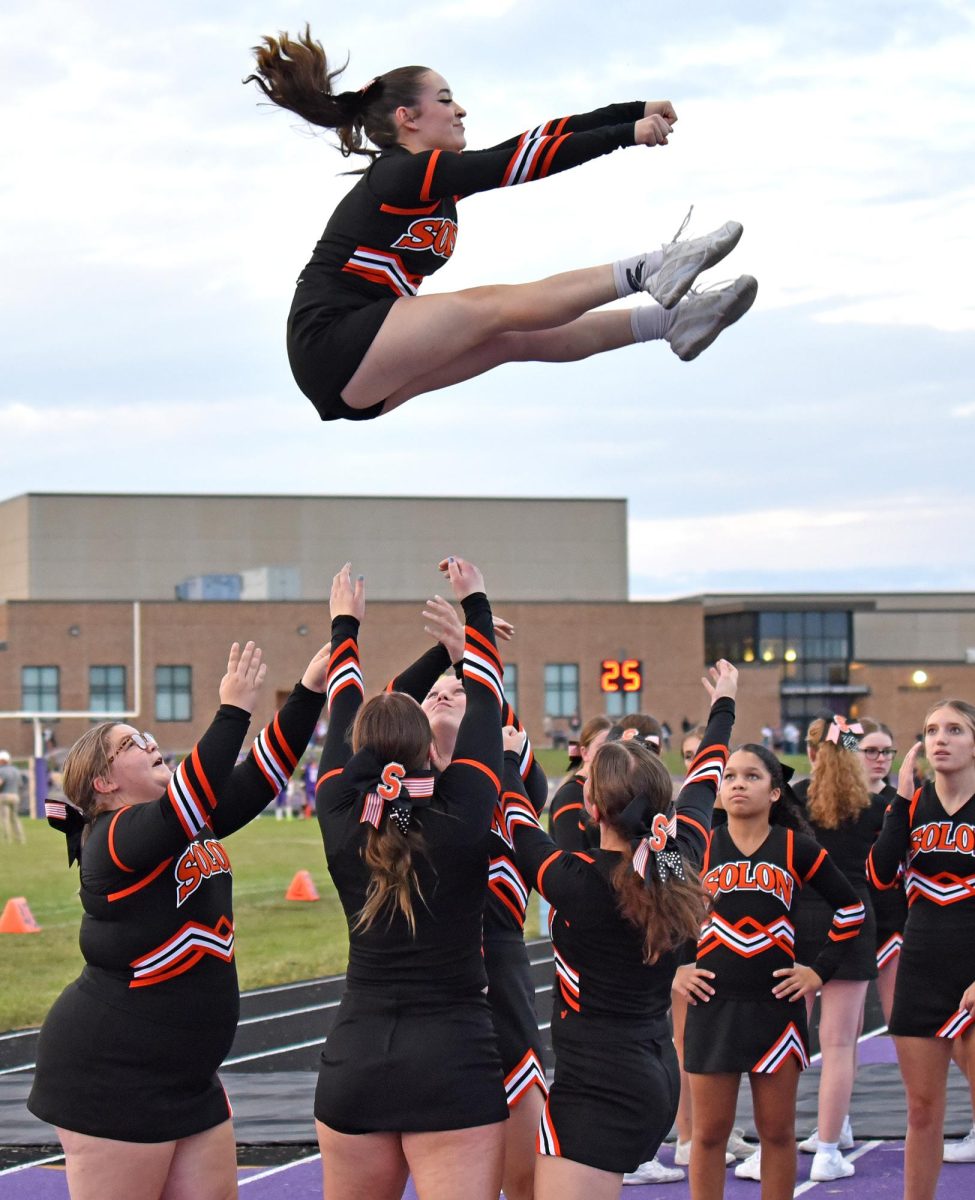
667, 910
294, 74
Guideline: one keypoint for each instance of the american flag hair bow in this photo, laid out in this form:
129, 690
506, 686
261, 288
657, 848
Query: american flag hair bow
656, 853
840, 733
388, 786
70, 821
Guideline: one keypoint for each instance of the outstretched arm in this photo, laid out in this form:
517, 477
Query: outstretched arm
472, 781
343, 684
275, 753
696, 799
141, 835
434, 175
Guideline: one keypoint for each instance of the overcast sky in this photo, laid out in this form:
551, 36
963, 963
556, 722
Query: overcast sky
154, 217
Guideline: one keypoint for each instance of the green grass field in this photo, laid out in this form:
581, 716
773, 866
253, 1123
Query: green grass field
277, 940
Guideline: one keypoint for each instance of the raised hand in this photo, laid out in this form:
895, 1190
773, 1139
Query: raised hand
513, 739
443, 624
245, 674
347, 597
314, 676
503, 629
721, 680
464, 577
905, 776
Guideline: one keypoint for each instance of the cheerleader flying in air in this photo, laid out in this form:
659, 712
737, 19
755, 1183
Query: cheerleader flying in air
361, 341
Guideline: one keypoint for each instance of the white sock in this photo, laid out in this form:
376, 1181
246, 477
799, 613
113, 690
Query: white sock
631, 274
829, 1147
650, 322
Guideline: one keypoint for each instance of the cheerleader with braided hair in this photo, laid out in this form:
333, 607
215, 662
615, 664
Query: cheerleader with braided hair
360, 340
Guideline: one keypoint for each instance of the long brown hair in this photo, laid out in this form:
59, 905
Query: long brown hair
838, 789
396, 729
667, 914
294, 73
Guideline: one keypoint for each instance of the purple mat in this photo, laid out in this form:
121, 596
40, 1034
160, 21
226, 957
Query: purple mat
879, 1176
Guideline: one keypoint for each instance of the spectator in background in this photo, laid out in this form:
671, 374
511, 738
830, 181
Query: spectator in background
11, 829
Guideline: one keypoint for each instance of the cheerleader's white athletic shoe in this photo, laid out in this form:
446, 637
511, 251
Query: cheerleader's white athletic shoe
654, 1171
684, 261
810, 1144
963, 1150
751, 1168
701, 316
828, 1165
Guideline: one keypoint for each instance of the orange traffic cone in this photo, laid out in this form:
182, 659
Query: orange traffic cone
302, 887
18, 918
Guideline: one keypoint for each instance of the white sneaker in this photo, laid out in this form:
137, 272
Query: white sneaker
830, 1164
684, 261
811, 1144
682, 1154
961, 1151
751, 1168
654, 1171
738, 1147
701, 316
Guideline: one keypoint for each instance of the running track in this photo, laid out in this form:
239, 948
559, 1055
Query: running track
270, 1076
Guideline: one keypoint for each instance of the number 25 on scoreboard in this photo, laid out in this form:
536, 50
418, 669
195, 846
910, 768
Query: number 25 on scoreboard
621, 675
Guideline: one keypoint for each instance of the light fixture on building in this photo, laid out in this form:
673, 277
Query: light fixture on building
768, 655
790, 655
74, 630
919, 678
749, 655
302, 631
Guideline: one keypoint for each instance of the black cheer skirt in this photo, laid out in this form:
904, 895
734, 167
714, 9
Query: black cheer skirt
410, 1066
934, 971
613, 1099
745, 1036
107, 1073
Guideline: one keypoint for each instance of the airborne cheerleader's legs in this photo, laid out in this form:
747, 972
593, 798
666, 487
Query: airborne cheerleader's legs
431, 342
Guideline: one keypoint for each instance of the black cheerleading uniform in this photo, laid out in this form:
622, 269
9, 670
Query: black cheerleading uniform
511, 993
398, 225
848, 847
750, 934
412, 1048
616, 1083
130, 1050
937, 854
889, 904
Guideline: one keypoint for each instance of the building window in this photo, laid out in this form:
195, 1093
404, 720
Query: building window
511, 684
561, 689
618, 704
40, 689
174, 693
106, 689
